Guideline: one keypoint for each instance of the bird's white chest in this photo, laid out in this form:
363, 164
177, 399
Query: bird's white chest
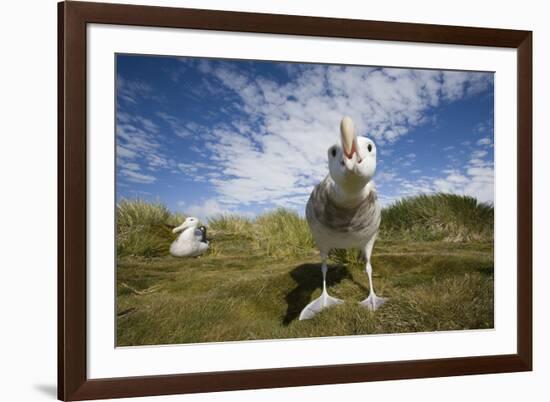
333, 226
327, 238
188, 244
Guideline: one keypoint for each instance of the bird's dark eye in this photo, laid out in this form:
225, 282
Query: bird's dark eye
333, 152
369, 147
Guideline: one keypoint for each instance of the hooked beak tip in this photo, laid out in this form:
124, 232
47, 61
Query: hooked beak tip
352, 151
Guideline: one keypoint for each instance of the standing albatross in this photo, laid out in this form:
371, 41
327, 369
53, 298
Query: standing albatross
343, 210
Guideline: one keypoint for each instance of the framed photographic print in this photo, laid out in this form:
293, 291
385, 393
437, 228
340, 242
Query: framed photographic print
253, 200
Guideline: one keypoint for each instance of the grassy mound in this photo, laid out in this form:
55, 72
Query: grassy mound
144, 229
446, 217
283, 233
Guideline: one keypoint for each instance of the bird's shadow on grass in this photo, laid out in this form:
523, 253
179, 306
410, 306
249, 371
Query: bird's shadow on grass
308, 278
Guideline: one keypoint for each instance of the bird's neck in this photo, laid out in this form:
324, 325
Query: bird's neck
349, 196
188, 232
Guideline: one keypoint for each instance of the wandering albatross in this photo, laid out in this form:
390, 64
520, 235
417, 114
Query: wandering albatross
192, 241
343, 210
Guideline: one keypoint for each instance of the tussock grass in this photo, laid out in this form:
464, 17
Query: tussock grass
277, 233
283, 233
437, 217
231, 225
143, 229
131, 213
446, 217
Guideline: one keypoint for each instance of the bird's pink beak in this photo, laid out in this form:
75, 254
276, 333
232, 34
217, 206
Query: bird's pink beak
349, 139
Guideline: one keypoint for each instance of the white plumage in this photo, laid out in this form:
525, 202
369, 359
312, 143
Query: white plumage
191, 242
343, 210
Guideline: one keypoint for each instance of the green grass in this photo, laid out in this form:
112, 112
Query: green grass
446, 217
144, 229
283, 233
259, 274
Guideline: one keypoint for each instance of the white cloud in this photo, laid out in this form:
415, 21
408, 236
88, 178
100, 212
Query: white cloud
484, 141
138, 148
131, 91
179, 127
125, 153
457, 84
209, 208
386, 176
278, 153
485, 127
476, 161
136, 177
206, 209
479, 153
187, 167
273, 149
475, 179
124, 164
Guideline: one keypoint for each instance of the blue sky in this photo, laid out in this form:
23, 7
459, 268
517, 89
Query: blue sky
208, 136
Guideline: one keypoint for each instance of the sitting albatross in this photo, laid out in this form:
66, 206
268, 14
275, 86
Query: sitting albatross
343, 210
192, 241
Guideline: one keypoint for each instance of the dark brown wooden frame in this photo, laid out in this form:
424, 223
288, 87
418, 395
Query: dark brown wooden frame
73, 383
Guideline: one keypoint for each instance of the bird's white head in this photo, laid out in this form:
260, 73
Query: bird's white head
189, 222
352, 163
